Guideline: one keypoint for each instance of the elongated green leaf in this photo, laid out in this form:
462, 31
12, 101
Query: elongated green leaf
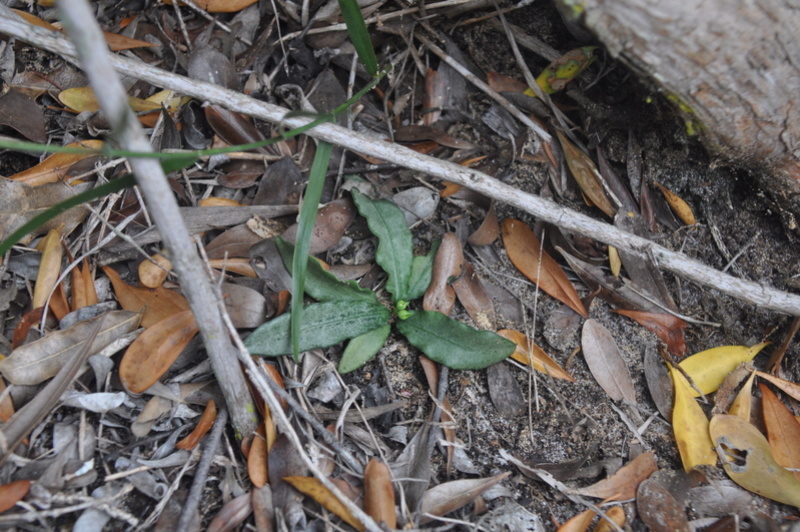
421, 272
308, 215
362, 348
396, 248
359, 35
323, 285
328, 324
452, 343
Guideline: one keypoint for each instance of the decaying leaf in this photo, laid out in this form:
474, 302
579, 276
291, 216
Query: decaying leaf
624, 483
332, 220
435, 95
564, 69
23, 114
659, 509
539, 359
783, 430
247, 307
158, 303
667, 327
154, 351
747, 459
84, 293
203, 426
232, 514
690, 425
83, 99
56, 167
379, 494
679, 206
488, 231
221, 6
450, 496
606, 363
448, 264
578, 523
586, 175
659, 383
154, 271
40, 360
789, 388
709, 368
257, 461
617, 515
313, 488
526, 254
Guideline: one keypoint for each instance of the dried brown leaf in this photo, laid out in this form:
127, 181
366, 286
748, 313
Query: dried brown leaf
539, 359
49, 267
203, 426
257, 461
247, 307
157, 304
379, 493
526, 254
21, 113
12, 493
471, 293
450, 496
606, 363
488, 231
153, 271
435, 95
56, 167
154, 351
783, 430
791, 389
585, 173
678, 205
232, 514
659, 509
332, 221
667, 327
40, 360
313, 488
623, 484
447, 265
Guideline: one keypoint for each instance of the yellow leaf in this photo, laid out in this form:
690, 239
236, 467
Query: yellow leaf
540, 361
579, 523
324, 497
690, 425
709, 368
616, 514
49, 267
742, 404
83, 99
220, 6
680, 207
614, 262
747, 459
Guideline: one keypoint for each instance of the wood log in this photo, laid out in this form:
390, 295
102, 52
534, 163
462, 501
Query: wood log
732, 68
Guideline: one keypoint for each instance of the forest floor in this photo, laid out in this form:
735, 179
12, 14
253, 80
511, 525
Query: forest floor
82, 460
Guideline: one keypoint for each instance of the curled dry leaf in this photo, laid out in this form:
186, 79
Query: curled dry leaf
617, 515
448, 264
742, 404
783, 430
526, 254
747, 459
154, 351
257, 461
658, 508
624, 483
667, 327
379, 493
690, 426
709, 368
157, 304
40, 360
221, 6
789, 388
84, 293
203, 426
55, 167
435, 95
12, 493
232, 514
450, 496
488, 231
606, 363
679, 206
313, 488
473, 296
538, 359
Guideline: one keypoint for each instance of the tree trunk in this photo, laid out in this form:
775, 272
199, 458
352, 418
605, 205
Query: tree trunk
731, 66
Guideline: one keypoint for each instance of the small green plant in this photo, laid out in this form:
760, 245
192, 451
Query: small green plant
344, 310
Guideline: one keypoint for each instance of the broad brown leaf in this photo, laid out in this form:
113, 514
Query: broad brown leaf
526, 254
12, 493
539, 359
379, 493
450, 496
659, 509
154, 351
440, 295
623, 484
473, 296
606, 363
49, 267
667, 327
313, 488
783, 430
158, 303
586, 174
56, 167
203, 426
257, 462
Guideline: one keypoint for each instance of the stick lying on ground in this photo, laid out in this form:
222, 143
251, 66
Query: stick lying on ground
546, 210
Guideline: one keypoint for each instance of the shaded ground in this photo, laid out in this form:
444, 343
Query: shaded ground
555, 421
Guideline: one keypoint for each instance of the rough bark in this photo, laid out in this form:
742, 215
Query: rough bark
731, 66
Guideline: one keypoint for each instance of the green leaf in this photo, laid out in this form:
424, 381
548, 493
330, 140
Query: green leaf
359, 35
327, 324
452, 343
308, 215
396, 248
421, 272
323, 285
362, 348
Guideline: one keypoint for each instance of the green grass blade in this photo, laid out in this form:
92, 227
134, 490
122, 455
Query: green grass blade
359, 35
308, 214
63, 206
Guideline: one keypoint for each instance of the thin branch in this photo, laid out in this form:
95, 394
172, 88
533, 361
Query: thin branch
544, 209
79, 20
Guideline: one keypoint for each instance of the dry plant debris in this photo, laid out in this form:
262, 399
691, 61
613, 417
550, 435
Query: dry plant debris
113, 417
